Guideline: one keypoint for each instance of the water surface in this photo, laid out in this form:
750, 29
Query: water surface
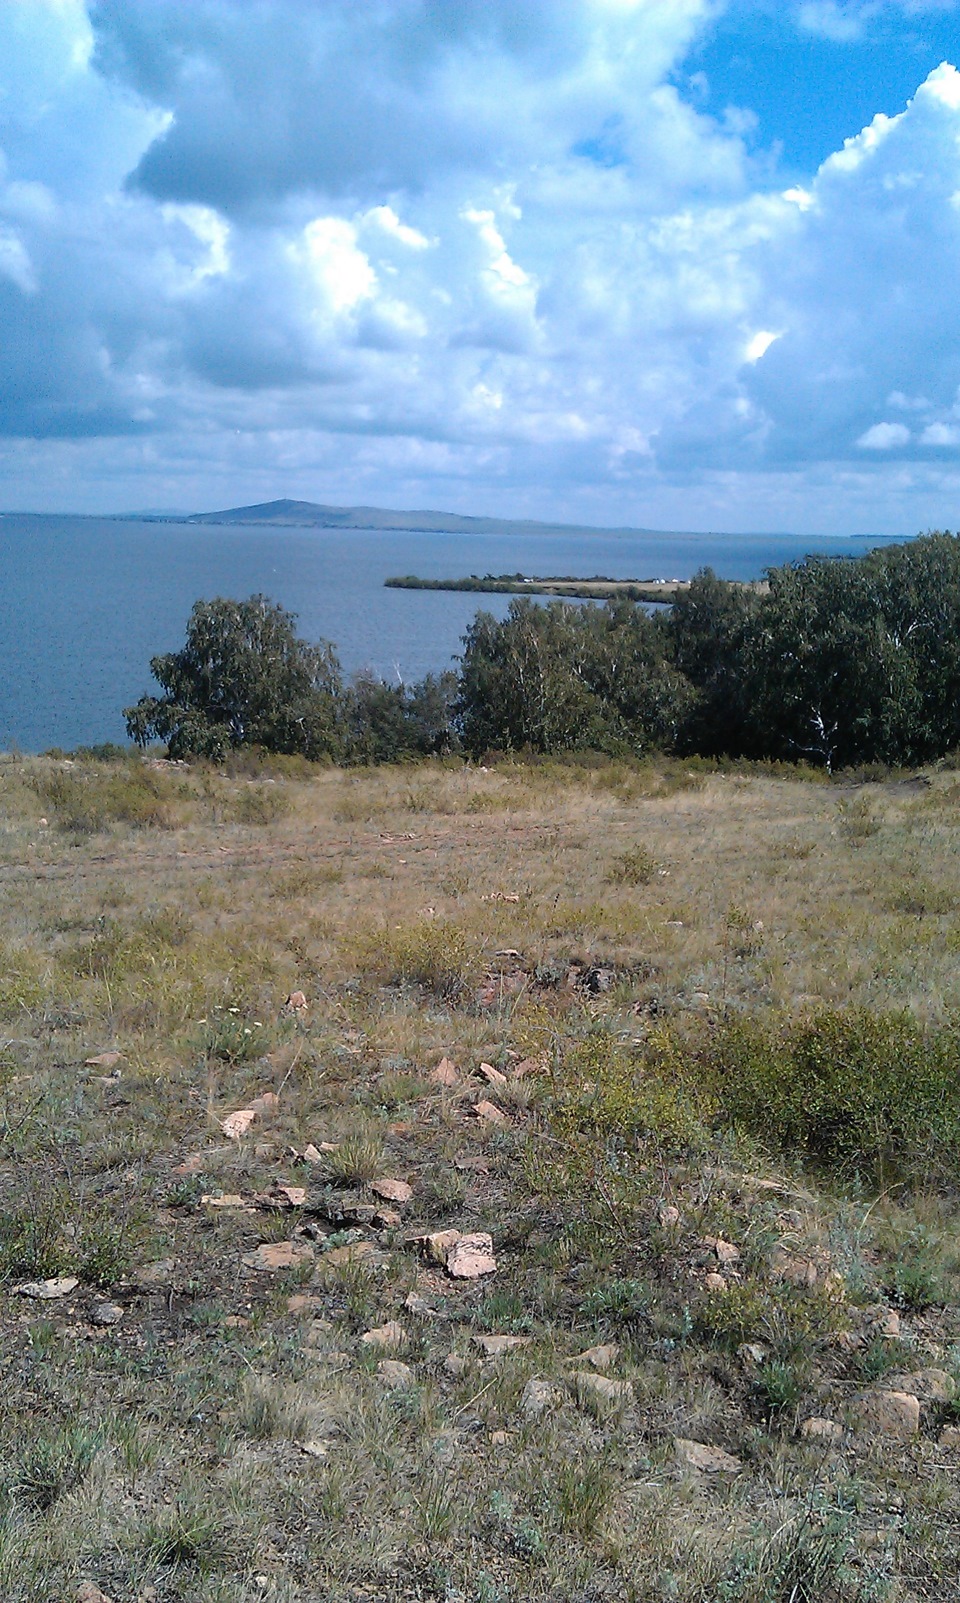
87, 601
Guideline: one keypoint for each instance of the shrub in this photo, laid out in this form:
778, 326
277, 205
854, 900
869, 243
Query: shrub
871, 1092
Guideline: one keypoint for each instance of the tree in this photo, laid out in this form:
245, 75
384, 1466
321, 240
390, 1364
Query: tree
243, 677
560, 677
388, 723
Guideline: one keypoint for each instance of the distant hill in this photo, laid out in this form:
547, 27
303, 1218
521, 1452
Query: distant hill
308, 514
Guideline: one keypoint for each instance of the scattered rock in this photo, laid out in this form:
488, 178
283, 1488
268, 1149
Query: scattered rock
816, 1429
392, 1334
395, 1375
237, 1124
929, 1385
496, 1346
471, 1163
315, 1449
714, 1282
296, 1002
49, 1290
312, 1154
792, 1267
224, 1200
104, 1060
415, 1304
491, 1075
600, 1389
489, 1113
524, 1067
751, 1352
888, 1413
949, 1436
272, 1256
437, 1244
599, 1357
291, 1196
191, 1165
727, 1253
445, 1073
709, 1460
392, 1190
351, 1252
300, 1303
889, 1325
455, 1365
536, 1398
159, 1273
106, 1313
668, 1215
471, 1257
88, 1593
267, 1102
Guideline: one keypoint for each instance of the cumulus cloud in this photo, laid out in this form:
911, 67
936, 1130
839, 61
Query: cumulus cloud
420, 252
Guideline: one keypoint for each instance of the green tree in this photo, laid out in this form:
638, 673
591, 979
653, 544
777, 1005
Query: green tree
561, 677
243, 677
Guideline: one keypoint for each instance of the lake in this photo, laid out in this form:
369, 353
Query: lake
88, 601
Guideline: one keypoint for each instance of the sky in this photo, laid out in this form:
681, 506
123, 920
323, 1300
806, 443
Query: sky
688, 264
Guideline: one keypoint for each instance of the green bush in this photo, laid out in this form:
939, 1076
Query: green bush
875, 1093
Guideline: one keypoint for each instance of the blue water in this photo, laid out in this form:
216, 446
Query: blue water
86, 602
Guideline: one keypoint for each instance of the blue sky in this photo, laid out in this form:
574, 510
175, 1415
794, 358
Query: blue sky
669, 263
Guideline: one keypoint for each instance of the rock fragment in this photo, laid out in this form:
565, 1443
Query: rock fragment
895, 1414
708, 1460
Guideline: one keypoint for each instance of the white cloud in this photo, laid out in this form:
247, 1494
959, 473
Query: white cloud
385, 217
341, 270
15, 262
459, 251
884, 437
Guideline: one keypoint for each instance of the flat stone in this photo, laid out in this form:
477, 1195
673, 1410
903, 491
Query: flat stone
392, 1190
489, 1113
392, 1334
603, 1357
816, 1429
106, 1313
929, 1385
445, 1073
536, 1398
351, 1252
437, 1244
274, 1256
496, 1346
888, 1413
395, 1375
708, 1460
471, 1257
87, 1592
727, 1253
491, 1075
600, 1389
49, 1290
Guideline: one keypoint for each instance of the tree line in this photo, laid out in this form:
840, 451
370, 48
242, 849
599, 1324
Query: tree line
837, 662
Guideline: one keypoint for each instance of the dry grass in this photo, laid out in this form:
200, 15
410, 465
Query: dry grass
230, 1435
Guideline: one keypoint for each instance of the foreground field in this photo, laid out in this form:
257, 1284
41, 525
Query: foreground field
679, 1043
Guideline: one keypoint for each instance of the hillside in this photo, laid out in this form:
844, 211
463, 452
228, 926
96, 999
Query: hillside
308, 514
533, 1184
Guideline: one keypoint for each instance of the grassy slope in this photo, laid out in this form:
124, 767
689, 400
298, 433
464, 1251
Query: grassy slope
552, 916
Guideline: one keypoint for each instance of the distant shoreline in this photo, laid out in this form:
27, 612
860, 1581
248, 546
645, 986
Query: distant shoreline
659, 591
